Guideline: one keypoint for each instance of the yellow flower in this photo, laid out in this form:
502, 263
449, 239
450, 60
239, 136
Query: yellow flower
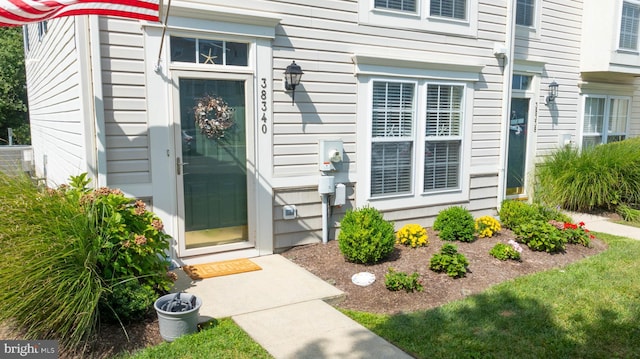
412, 234
487, 226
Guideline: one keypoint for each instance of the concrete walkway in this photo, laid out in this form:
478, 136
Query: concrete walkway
283, 308
602, 224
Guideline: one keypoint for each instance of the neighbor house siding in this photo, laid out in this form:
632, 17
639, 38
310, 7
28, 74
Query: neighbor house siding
125, 102
634, 121
55, 104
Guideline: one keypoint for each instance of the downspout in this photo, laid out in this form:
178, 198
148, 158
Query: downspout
98, 102
507, 75
88, 46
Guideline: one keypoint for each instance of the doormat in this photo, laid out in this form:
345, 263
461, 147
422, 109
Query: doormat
218, 269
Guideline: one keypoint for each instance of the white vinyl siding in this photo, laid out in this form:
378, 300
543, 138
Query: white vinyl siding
55, 102
396, 150
605, 120
629, 24
125, 102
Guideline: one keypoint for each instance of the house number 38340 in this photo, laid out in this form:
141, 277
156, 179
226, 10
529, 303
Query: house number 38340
263, 104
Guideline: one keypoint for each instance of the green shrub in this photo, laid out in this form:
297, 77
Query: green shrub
365, 236
514, 213
455, 223
413, 235
600, 177
395, 281
70, 249
127, 301
541, 236
49, 283
450, 261
504, 252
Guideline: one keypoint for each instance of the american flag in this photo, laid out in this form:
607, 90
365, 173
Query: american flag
20, 12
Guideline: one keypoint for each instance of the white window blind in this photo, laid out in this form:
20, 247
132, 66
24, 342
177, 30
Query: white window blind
525, 11
402, 5
393, 115
443, 137
456, 9
629, 24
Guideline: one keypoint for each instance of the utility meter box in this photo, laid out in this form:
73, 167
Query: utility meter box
330, 154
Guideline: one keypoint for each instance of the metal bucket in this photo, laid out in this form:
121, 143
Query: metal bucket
177, 315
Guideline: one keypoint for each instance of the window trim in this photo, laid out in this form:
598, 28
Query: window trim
606, 118
418, 195
420, 21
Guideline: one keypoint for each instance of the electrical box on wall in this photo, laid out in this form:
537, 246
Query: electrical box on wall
326, 185
330, 154
289, 212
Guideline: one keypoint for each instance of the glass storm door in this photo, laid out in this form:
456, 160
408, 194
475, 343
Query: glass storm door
517, 152
212, 167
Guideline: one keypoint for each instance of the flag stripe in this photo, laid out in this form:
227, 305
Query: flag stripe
20, 12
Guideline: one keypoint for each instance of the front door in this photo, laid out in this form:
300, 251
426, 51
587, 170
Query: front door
211, 164
517, 153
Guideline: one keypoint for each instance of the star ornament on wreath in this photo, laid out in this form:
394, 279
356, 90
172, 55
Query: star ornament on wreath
214, 116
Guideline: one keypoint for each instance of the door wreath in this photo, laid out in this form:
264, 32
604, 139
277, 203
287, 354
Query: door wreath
213, 116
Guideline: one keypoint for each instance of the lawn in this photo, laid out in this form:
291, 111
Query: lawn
589, 309
221, 339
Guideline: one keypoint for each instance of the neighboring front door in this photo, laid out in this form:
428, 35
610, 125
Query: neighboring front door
518, 144
213, 147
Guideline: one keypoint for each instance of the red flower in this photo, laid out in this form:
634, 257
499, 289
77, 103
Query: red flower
581, 224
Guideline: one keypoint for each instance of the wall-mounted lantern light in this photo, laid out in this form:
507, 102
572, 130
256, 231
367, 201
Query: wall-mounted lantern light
553, 92
292, 76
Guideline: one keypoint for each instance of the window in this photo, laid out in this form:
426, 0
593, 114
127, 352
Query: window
42, 29
525, 10
443, 137
605, 120
455, 17
456, 9
405, 135
520, 82
392, 135
202, 51
402, 5
629, 26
